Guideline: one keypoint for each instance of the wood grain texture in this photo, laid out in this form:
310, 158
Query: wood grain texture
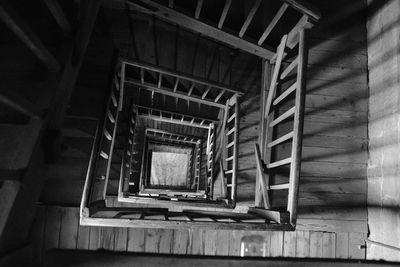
136, 240
69, 228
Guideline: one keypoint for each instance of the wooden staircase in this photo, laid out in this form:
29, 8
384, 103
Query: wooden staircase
266, 166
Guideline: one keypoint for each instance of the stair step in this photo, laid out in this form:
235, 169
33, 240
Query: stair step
281, 139
285, 94
230, 144
279, 186
283, 117
231, 117
289, 68
279, 163
230, 131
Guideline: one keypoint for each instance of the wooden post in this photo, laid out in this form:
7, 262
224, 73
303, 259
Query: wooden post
265, 80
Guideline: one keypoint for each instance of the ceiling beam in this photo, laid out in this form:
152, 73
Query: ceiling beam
175, 17
23, 31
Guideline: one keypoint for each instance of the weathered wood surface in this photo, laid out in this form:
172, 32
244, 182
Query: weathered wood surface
383, 168
332, 184
57, 227
335, 134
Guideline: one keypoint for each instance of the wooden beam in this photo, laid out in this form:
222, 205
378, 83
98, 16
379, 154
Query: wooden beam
249, 18
59, 15
72, 68
181, 76
165, 13
305, 8
198, 9
23, 31
273, 23
224, 13
161, 224
19, 104
206, 92
167, 91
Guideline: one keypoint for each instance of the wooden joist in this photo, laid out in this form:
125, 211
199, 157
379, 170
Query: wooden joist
167, 91
165, 13
23, 31
198, 9
224, 13
249, 18
272, 24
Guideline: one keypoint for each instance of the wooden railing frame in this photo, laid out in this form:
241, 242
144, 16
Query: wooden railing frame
174, 117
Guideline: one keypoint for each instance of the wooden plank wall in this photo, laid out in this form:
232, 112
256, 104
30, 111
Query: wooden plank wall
383, 170
58, 227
